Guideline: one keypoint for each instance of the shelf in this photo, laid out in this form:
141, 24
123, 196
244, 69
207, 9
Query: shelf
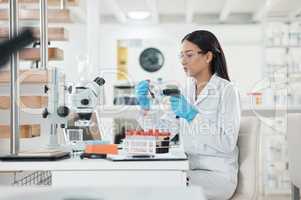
27, 116
285, 80
54, 15
283, 46
29, 76
54, 34
280, 44
26, 131
31, 102
33, 54
50, 2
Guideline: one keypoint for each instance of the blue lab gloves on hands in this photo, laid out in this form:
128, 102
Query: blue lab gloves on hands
142, 94
179, 104
182, 108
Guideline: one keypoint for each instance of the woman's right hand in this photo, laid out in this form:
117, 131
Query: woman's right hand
141, 90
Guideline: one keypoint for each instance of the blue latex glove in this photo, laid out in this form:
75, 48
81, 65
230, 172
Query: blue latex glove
182, 108
142, 90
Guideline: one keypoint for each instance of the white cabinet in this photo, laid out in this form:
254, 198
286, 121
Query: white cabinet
120, 178
274, 158
102, 172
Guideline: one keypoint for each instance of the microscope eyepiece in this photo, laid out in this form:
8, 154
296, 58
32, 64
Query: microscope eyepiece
85, 102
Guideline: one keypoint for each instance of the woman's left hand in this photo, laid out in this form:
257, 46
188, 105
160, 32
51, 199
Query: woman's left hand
182, 108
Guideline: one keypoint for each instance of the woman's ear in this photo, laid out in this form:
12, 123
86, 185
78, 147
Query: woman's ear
209, 57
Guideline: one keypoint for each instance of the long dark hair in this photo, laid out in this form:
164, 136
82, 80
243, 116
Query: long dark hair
207, 41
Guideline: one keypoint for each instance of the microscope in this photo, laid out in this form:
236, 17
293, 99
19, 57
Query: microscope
84, 101
80, 107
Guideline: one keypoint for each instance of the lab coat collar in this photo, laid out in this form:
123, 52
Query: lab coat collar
209, 89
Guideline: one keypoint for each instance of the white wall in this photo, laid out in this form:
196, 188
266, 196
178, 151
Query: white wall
75, 51
242, 45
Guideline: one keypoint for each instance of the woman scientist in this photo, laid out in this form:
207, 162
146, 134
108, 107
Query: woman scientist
209, 112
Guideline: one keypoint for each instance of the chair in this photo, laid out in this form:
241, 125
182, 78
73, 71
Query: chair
249, 156
294, 147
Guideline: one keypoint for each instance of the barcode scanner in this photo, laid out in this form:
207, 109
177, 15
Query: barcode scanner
171, 92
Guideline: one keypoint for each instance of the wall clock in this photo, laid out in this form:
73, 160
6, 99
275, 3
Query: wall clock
151, 59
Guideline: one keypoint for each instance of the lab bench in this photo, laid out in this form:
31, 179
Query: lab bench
103, 172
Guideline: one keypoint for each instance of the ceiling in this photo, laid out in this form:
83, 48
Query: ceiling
200, 11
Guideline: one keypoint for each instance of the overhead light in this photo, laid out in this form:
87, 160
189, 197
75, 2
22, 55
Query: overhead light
138, 15
268, 3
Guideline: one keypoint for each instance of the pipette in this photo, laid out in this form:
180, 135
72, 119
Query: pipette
151, 93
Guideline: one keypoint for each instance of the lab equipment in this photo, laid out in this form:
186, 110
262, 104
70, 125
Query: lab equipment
56, 112
170, 92
99, 150
75, 138
161, 94
148, 142
84, 100
151, 93
147, 89
255, 98
124, 94
37, 178
52, 151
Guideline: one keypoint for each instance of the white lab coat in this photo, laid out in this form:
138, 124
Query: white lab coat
210, 140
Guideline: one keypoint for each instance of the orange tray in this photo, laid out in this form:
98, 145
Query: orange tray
101, 149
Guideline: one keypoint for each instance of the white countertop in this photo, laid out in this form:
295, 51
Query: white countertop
92, 164
103, 193
77, 164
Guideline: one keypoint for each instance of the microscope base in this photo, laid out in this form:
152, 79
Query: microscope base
42, 156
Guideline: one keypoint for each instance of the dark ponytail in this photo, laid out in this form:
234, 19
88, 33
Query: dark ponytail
207, 41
